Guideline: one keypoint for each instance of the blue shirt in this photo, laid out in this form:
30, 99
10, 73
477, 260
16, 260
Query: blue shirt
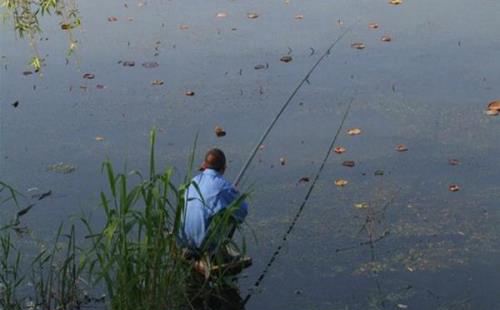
216, 195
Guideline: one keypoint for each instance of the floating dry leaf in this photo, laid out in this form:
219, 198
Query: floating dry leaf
349, 163
373, 25
453, 162
150, 64
286, 58
361, 205
156, 82
252, 15
454, 188
259, 67
27, 73
183, 27
99, 138
358, 45
304, 180
354, 131
189, 93
339, 149
100, 86
341, 182
299, 16
88, 76
395, 2
386, 39
221, 15
494, 106
127, 63
66, 26
401, 148
282, 161
219, 131
112, 19
379, 172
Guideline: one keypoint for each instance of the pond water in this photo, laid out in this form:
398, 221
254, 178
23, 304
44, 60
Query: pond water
416, 245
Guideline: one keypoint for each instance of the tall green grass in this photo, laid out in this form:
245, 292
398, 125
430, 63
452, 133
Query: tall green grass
137, 254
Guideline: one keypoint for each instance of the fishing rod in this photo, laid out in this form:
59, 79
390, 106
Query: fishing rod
302, 206
285, 105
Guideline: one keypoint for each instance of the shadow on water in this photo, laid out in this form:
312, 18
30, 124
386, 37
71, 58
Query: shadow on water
227, 298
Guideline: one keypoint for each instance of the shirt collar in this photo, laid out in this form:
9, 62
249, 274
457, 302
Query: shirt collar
209, 171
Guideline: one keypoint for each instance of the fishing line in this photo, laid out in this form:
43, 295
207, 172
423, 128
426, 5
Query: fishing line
302, 206
285, 105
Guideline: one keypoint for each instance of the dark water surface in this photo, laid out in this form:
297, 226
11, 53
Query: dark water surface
427, 89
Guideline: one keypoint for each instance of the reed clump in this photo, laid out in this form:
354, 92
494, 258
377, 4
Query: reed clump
137, 254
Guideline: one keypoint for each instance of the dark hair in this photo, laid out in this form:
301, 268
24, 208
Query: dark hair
215, 159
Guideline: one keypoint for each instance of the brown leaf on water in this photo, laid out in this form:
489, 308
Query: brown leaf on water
358, 45
112, 19
453, 188
349, 163
339, 149
219, 131
341, 182
100, 86
150, 64
453, 162
354, 131
304, 180
99, 138
189, 93
183, 27
373, 25
401, 148
379, 172
286, 58
89, 76
395, 2
386, 39
494, 106
299, 16
221, 15
156, 82
127, 63
252, 15
66, 26
282, 161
